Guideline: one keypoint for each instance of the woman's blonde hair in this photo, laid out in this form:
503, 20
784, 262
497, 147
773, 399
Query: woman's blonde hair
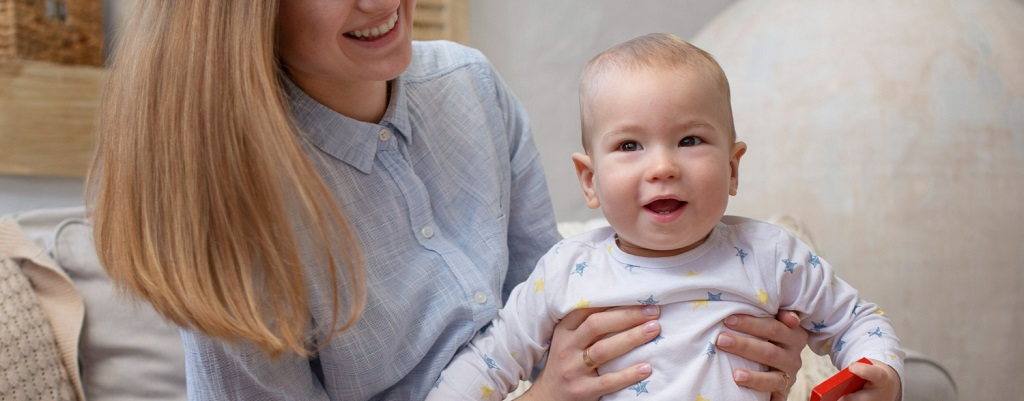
201, 195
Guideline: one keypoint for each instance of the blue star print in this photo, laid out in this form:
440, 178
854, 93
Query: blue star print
711, 349
630, 267
578, 269
813, 260
855, 309
490, 363
877, 332
741, 254
714, 297
649, 301
437, 383
789, 265
839, 345
818, 325
640, 387
657, 339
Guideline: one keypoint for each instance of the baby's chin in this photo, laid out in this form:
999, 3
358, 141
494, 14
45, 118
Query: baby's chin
655, 250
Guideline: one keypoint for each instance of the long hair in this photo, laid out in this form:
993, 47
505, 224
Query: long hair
201, 195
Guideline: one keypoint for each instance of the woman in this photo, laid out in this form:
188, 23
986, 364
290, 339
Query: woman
331, 211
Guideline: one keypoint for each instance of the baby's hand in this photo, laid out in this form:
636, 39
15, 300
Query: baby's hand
883, 384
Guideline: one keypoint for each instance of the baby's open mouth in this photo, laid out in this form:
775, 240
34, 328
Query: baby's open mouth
375, 32
665, 206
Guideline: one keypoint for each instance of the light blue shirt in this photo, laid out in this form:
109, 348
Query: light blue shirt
448, 196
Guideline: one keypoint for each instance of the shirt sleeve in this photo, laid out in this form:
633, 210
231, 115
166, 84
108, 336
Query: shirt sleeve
532, 228
219, 371
839, 322
501, 355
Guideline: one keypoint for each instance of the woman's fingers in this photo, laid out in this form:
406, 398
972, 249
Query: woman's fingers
605, 334
772, 381
614, 320
779, 349
619, 344
783, 330
615, 381
776, 344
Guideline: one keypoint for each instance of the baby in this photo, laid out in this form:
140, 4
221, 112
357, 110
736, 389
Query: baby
661, 162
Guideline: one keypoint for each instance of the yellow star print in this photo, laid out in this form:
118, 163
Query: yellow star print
826, 347
880, 312
486, 392
609, 249
699, 398
538, 285
692, 274
699, 304
762, 297
582, 304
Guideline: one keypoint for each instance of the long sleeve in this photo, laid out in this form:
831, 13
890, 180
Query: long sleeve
490, 366
840, 323
531, 230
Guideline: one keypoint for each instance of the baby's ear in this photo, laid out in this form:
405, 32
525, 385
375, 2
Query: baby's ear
585, 173
738, 150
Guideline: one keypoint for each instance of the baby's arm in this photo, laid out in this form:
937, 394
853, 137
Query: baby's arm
839, 322
504, 353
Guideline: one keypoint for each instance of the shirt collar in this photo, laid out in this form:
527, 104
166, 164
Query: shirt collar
351, 141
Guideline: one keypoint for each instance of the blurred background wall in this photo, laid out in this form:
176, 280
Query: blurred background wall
933, 236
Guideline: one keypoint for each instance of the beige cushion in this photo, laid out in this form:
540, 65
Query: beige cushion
127, 351
30, 358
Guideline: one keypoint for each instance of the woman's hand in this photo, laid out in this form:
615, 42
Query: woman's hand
783, 339
567, 376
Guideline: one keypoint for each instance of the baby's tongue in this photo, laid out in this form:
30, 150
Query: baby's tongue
664, 205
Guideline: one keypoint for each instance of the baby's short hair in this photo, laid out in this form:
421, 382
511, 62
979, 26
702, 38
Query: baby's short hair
651, 51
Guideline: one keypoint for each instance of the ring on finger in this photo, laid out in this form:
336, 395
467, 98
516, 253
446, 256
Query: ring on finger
787, 378
586, 359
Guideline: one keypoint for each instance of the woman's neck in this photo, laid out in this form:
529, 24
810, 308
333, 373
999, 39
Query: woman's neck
360, 100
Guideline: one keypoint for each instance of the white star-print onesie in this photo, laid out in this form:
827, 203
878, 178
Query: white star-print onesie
745, 267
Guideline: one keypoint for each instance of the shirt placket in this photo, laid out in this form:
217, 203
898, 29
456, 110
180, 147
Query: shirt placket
478, 296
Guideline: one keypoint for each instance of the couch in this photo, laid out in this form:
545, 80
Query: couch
69, 335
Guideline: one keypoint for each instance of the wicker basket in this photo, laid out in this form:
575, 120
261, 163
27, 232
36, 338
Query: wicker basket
60, 31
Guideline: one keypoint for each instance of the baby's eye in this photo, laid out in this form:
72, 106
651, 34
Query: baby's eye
628, 146
690, 141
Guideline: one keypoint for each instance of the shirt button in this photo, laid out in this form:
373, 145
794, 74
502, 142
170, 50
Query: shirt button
480, 297
427, 232
384, 134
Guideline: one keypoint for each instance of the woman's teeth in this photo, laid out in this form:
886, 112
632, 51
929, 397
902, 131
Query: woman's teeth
375, 32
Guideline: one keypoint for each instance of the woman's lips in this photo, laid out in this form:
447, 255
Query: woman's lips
374, 32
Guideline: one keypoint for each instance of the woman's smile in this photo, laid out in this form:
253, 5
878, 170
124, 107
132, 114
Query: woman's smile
376, 32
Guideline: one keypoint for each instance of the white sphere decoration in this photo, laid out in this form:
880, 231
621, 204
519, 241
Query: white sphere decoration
895, 131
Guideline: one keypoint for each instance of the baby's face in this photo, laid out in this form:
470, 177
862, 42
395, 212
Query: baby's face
662, 162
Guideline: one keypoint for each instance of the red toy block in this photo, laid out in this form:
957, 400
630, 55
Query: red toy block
840, 384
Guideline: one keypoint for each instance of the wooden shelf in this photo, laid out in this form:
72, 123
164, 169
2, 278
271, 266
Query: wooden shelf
47, 114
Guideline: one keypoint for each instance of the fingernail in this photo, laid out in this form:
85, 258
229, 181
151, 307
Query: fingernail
794, 315
725, 341
644, 369
740, 376
651, 326
651, 310
732, 320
